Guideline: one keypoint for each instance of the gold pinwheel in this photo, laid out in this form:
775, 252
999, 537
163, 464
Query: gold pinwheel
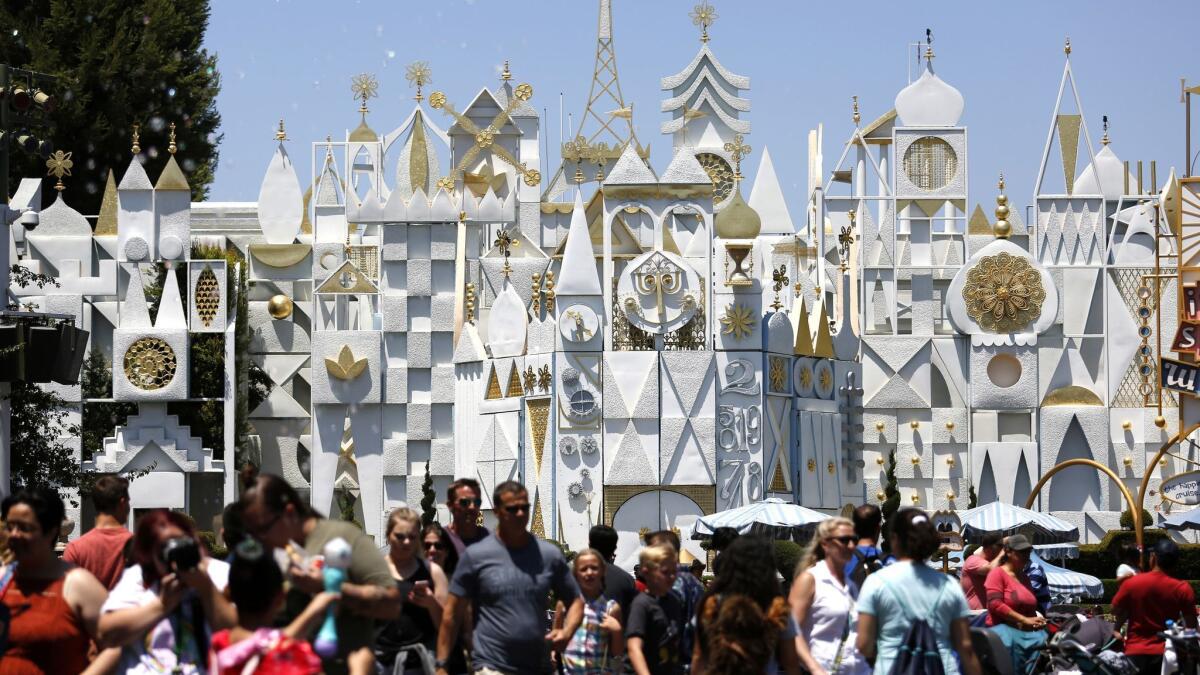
703, 15
59, 165
418, 75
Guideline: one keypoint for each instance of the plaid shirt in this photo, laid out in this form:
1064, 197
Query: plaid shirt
688, 590
587, 653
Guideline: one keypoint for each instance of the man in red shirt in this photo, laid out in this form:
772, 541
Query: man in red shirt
1147, 601
976, 567
102, 550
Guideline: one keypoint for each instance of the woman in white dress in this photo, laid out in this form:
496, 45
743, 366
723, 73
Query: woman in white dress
823, 604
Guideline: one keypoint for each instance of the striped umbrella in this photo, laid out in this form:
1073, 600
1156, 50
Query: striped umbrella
1006, 519
771, 517
1057, 551
1184, 520
1066, 585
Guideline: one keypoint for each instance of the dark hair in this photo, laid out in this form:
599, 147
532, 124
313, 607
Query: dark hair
505, 488
462, 482
1166, 555
867, 521
748, 568
108, 492
603, 538
254, 578
451, 551
991, 539
722, 537
275, 494
233, 529
913, 534
146, 545
45, 503
664, 537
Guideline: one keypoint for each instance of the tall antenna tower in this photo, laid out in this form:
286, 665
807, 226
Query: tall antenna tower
606, 125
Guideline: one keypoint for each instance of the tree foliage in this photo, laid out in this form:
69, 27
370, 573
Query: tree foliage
100, 418
891, 493
428, 499
118, 62
39, 427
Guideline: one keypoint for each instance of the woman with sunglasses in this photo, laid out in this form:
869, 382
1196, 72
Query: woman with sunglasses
438, 549
423, 586
823, 602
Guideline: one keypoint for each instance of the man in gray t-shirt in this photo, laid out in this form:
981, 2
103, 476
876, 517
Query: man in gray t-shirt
508, 578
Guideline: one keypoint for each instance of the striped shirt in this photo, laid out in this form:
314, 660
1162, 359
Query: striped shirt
587, 653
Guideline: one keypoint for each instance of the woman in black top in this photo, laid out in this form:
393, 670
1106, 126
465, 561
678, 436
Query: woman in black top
423, 586
439, 549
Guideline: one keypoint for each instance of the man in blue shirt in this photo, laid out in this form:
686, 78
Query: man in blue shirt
867, 558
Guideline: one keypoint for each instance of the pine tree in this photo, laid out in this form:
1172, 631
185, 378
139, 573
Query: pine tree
891, 493
972, 499
428, 499
118, 62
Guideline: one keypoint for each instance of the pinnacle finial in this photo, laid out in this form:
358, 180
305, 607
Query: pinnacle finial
1002, 229
364, 86
929, 46
59, 165
856, 116
280, 134
171, 147
1067, 46
136, 148
506, 75
1104, 139
703, 15
418, 74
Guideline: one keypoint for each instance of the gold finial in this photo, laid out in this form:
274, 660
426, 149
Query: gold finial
470, 302
1002, 229
536, 287
779, 279
703, 15
856, 117
505, 242
1104, 140
737, 150
59, 165
551, 294
171, 147
1067, 46
845, 239
280, 134
418, 74
364, 86
136, 135
929, 46
506, 74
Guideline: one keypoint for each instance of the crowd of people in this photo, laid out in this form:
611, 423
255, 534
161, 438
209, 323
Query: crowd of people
299, 593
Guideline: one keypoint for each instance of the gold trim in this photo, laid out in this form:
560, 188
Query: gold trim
346, 367
1137, 513
615, 496
361, 284
1068, 147
280, 256
106, 223
1071, 395
539, 422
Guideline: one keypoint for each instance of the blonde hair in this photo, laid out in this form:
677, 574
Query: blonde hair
589, 552
407, 515
813, 553
653, 557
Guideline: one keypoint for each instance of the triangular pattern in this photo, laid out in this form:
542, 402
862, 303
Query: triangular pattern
979, 222
804, 344
899, 350
539, 425
538, 526
766, 197
135, 313
170, 305
1070, 234
897, 393
355, 283
1068, 146
687, 381
614, 403
578, 275
778, 482
279, 404
683, 451
822, 340
514, 382
493, 385
630, 465
1053, 237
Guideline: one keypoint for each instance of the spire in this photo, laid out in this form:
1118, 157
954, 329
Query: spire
1002, 228
578, 272
766, 197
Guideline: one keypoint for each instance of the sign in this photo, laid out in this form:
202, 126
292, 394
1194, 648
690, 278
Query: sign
1179, 376
1182, 488
1187, 338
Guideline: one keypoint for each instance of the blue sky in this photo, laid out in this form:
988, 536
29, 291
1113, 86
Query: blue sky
294, 59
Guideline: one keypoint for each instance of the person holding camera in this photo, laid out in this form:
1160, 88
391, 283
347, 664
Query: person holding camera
167, 604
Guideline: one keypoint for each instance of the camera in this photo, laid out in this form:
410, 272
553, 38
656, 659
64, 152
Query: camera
181, 554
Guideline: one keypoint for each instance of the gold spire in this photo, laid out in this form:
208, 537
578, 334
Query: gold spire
418, 74
1002, 229
171, 147
1067, 46
364, 86
59, 165
856, 116
737, 150
135, 149
929, 46
506, 74
281, 135
703, 15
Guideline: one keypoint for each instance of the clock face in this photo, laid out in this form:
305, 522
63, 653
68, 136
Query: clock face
578, 323
719, 172
930, 163
150, 364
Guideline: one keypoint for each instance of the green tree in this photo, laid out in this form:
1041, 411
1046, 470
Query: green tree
891, 494
99, 417
428, 499
972, 498
38, 427
118, 62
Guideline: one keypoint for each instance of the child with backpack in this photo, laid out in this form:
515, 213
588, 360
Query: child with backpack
256, 588
655, 617
911, 617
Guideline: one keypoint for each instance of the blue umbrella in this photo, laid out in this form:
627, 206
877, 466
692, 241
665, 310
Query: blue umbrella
1006, 519
772, 517
1057, 551
1185, 520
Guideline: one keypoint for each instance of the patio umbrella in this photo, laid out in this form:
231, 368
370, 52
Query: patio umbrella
1184, 520
771, 517
1066, 585
1006, 519
1057, 551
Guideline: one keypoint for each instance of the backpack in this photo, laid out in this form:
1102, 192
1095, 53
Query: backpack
866, 564
918, 652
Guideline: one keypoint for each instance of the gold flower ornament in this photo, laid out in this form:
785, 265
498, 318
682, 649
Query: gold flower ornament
1004, 293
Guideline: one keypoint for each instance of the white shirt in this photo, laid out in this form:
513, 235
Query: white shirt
833, 612
156, 652
1124, 569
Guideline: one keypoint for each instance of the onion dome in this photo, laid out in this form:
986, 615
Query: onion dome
929, 102
738, 220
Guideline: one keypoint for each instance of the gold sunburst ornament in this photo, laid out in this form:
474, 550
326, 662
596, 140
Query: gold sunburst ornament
365, 87
59, 165
418, 75
1004, 293
737, 321
703, 15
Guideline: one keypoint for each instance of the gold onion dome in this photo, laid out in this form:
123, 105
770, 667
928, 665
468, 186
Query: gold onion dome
1002, 229
738, 220
363, 133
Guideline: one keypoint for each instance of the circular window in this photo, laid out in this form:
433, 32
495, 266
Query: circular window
1004, 370
583, 403
150, 364
930, 163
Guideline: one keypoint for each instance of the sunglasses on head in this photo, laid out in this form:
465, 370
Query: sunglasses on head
844, 540
468, 501
514, 509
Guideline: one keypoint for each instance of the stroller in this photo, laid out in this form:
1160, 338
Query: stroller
1083, 645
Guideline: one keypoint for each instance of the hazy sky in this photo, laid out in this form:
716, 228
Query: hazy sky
294, 59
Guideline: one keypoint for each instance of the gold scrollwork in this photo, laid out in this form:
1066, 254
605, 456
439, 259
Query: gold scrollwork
150, 364
1004, 293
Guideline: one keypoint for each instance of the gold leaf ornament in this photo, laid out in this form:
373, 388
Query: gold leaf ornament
1004, 293
523, 92
150, 364
346, 367
737, 321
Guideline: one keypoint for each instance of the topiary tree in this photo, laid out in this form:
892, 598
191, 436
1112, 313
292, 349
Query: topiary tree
972, 498
1127, 518
428, 499
787, 556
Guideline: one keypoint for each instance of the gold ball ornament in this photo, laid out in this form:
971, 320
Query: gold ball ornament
950, 425
1128, 460
880, 426
916, 459
915, 424
1160, 422
879, 460
950, 496
950, 461
279, 306
880, 495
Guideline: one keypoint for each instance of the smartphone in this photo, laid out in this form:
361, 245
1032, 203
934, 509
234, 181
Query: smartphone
421, 586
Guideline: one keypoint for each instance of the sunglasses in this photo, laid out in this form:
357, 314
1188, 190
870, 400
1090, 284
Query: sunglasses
845, 540
467, 502
436, 545
514, 509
